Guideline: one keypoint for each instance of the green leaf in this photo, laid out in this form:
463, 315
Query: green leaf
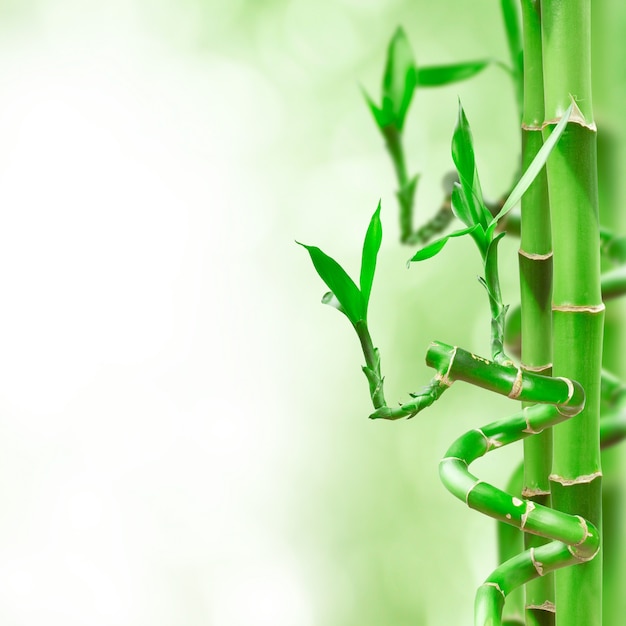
371, 246
382, 118
459, 205
463, 157
433, 248
330, 299
535, 167
399, 79
438, 75
341, 285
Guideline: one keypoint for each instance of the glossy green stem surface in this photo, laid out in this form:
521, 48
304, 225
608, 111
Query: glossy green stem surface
578, 310
535, 264
573, 539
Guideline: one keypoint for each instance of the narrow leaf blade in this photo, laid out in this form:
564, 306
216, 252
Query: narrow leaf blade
465, 162
433, 248
371, 246
439, 75
381, 117
338, 281
535, 166
399, 79
459, 205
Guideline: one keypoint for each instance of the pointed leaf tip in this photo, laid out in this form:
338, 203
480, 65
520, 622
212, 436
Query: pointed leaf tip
339, 283
436, 246
371, 247
400, 78
439, 75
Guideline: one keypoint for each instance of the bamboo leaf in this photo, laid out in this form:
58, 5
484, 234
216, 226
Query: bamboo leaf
459, 205
399, 79
535, 167
433, 248
438, 75
465, 162
330, 299
340, 284
382, 118
371, 246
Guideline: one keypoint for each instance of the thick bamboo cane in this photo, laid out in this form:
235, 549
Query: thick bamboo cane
578, 311
535, 263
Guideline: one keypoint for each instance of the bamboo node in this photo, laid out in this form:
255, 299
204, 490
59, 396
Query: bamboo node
469, 491
546, 606
534, 256
538, 565
530, 507
579, 480
536, 369
585, 527
443, 379
564, 407
529, 428
517, 385
532, 127
496, 585
533, 493
576, 117
454, 458
579, 308
446, 377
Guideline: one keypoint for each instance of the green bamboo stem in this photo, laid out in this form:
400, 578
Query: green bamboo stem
406, 185
510, 544
496, 305
578, 311
372, 365
535, 263
576, 540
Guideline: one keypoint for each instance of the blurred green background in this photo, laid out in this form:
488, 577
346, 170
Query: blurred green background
184, 427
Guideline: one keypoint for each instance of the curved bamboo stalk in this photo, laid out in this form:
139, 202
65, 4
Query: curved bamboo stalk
573, 539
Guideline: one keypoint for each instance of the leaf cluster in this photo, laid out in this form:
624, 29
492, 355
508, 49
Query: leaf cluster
402, 76
467, 200
344, 295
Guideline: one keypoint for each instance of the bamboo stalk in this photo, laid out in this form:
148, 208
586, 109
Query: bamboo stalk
510, 544
578, 311
535, 263
574, 539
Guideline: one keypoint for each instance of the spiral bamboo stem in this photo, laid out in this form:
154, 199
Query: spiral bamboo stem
573, 539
